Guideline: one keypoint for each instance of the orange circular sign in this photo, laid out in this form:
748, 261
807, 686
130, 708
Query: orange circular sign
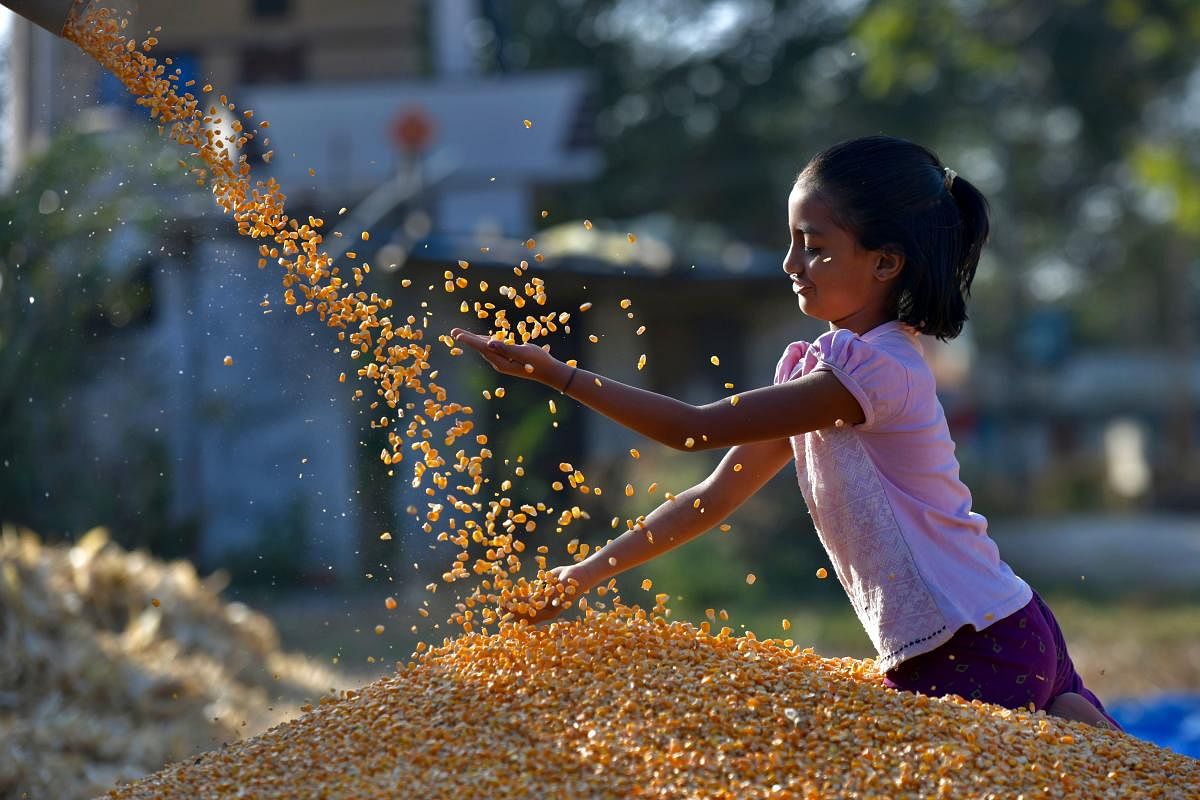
412, 130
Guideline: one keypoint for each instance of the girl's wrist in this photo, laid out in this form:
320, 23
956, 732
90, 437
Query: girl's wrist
560, 376
591, 572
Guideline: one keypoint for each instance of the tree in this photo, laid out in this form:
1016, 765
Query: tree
707, 111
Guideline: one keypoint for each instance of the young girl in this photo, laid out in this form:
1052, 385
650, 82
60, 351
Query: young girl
884, 245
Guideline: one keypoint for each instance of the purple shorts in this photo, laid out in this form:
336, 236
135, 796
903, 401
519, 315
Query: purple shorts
1018, 660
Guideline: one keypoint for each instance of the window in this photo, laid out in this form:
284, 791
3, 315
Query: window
273, 65
272, 8
111, 92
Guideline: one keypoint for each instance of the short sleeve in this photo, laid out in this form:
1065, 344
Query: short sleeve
877, 379
789, 363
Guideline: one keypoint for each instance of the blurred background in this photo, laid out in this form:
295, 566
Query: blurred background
1071, 394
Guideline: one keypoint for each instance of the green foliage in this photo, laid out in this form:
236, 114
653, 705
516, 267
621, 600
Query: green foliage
1168, 168
1047, 106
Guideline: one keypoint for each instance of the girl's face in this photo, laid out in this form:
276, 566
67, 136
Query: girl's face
835, 279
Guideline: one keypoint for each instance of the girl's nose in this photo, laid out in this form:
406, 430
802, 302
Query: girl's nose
790, 265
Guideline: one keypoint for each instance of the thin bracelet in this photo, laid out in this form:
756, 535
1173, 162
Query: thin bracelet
568, 383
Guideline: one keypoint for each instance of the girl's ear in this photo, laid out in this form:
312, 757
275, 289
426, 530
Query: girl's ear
889, 264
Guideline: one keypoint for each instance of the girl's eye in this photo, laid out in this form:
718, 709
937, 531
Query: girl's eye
812, 251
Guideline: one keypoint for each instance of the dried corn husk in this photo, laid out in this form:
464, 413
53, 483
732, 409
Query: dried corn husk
98, 685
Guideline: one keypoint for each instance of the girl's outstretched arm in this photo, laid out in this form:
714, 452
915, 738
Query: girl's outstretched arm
810, 403
743, 471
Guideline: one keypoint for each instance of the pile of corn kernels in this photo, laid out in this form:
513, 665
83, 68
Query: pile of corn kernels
625, 704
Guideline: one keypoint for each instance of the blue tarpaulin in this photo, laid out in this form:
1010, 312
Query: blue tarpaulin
1167, 720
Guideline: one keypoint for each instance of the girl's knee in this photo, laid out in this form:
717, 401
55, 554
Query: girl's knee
1077, 708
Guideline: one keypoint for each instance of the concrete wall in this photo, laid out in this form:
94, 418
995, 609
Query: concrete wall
363, 40
261, 452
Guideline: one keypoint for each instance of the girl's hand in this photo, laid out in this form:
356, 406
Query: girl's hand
520, 360
566, 574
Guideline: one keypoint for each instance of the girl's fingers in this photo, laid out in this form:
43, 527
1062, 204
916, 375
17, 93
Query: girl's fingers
473, 341
483, 344
497, 346
460, 334
495, 352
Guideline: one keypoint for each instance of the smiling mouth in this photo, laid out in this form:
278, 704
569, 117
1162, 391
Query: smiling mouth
801, 288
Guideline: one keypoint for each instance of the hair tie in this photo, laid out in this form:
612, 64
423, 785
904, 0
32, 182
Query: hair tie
948, 180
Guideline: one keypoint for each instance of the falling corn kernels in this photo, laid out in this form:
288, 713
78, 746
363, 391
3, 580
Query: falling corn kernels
822, 573
228, 361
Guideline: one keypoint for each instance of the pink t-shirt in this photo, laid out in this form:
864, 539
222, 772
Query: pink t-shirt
896, 521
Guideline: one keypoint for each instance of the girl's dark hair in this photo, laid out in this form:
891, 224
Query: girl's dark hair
891, 194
